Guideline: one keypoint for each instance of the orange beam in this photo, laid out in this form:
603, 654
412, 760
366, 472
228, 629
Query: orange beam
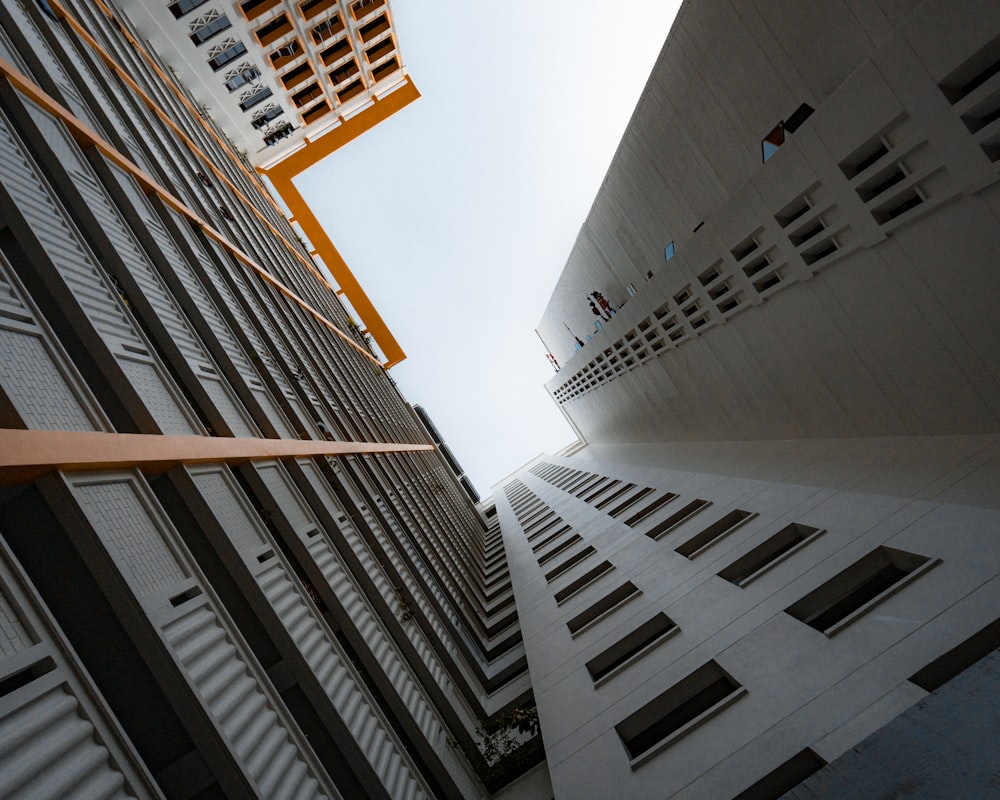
25, 455
349, 285
86, 136
281, 175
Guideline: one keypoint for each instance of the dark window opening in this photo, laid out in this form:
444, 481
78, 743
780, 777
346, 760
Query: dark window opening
702, 693
213, 28
677, 518
768, 553
602, 607
859, 587
713, 532
639, 641
644, 512
182, 7
583, 581
784, 778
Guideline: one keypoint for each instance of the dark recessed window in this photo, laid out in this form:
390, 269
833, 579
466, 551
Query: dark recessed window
677, 518
213, 28
857, 589
644, 512
768, 553
583, 581
715, 531
784, 778
631, 646
569, 563
602, 607
702, 694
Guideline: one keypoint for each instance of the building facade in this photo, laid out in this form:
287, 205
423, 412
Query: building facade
770, 565
233, 561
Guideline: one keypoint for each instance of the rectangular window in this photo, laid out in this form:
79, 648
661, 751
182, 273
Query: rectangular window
313, 8
713, 532
623, 507
945, 667
602, 607
772, 551
644, 512
307, 95
569, 563
372, 29
560, 549
273, 30
327, 29
669, 251
857, 589
213, 28
583, 581
254, 8
784, 778
380, 50
285, 54
769, 144
607, 501
677, 518
336, 51
242, 78
344, 72
231, 53
263, 117
383, 71
598, 491
182, 7
256, 98
296, 75
680, 709
630, 647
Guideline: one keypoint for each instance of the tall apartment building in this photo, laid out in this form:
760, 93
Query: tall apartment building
232, 561
235, 562
771, 565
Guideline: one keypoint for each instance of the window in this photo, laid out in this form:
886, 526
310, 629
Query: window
945, 667
287, 52
623, 507
349, 91
602, 607
182, 7
307, 95
680, 709
254, 96
713, 532
669, 251
327, 29
211, 28
254, 8
615, 495
384, 70
677, 518
560, 549
774, 550
600, 489
569, 563
230, 52
313, 8
630, 647
657, 504
336, 51
857, 589
241, 77
265, 115
372, 29
784, 778
296, 75
583, 581
273, 30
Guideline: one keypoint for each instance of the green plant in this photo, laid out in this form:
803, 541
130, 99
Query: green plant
506, 749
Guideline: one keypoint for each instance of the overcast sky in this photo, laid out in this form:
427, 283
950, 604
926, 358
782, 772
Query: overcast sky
458, 213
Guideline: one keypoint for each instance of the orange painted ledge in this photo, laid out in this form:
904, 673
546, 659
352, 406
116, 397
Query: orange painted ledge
25, 455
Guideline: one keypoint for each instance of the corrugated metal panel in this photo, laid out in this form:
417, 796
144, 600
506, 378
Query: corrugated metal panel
312, 639
243, 713
49, 750
35, 374
256, 727
135, 260
40, 48
76, 266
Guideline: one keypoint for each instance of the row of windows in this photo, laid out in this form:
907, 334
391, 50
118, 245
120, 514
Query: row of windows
893, 174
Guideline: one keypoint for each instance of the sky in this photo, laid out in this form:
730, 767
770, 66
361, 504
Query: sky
458, 213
